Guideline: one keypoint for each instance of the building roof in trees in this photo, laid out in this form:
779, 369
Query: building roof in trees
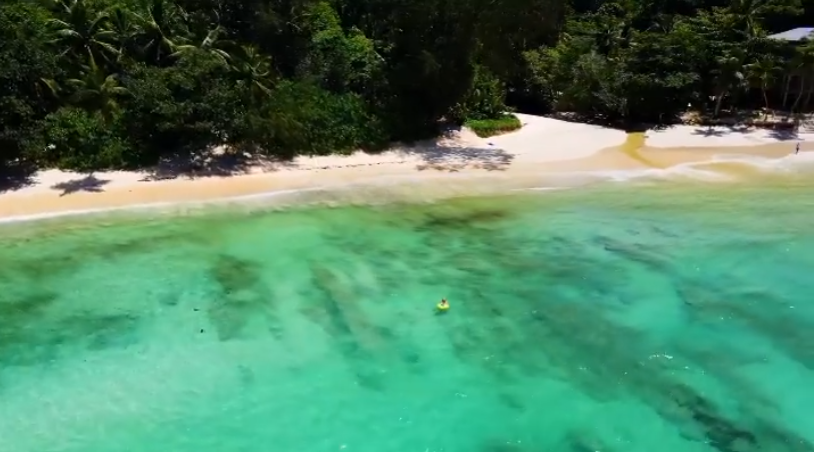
796, 34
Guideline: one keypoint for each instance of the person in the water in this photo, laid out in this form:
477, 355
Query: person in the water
443, 304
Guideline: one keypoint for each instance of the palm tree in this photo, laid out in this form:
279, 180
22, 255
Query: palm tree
82, 32
97, 91
807, 55
764, 71
123, 28
804, 65
155, 35
611, 29
748, 14
794, 65
253, 70
210, 45
728, 76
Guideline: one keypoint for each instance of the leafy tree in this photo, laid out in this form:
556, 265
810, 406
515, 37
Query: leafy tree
304, 118
341, 60
185, 107
25, 61
83, 141
664, 72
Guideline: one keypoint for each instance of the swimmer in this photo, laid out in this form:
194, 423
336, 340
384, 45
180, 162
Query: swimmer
443, 304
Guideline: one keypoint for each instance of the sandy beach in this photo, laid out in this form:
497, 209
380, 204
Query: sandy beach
543, 148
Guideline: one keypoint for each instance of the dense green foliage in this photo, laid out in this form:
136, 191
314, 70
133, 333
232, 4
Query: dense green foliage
644, 60
91, 84
494, 126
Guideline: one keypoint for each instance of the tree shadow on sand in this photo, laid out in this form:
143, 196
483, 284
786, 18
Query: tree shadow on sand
89, 184
456, 159
720, 131
217, 162
778, 133
784, 134
447, 153
15, 177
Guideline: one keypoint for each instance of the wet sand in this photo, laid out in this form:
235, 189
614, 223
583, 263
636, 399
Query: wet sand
635, 154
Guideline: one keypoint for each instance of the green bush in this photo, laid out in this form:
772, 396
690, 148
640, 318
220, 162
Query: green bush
302, 118
491, 127
82, 141
185, 107
485, 100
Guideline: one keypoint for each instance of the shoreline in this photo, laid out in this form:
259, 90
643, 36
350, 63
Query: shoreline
544, 152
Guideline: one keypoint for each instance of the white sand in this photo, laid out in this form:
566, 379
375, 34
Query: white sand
544, 139
721, 136
541, 140
542, 145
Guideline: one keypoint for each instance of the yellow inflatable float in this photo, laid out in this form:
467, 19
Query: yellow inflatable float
443, 305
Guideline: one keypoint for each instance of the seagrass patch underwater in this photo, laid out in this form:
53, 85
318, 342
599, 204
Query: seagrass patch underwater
621, 317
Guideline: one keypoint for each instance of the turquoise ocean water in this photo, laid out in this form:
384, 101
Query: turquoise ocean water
617, 317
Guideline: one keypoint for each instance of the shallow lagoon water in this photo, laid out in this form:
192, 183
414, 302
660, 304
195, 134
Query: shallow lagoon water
666, 317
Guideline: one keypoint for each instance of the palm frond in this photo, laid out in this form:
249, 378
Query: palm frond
53, 87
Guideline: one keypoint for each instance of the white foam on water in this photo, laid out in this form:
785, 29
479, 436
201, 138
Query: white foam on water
788, 163
793, 163
154, 206
380, 182
541, 189
685, 171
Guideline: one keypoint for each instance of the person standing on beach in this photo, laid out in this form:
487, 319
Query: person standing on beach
797, 150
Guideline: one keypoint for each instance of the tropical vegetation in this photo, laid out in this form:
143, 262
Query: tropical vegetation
93, 84
494, 126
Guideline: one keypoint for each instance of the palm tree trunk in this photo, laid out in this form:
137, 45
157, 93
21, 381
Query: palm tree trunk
799, 93
810, 92
718, 102
766, 100
786, 90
